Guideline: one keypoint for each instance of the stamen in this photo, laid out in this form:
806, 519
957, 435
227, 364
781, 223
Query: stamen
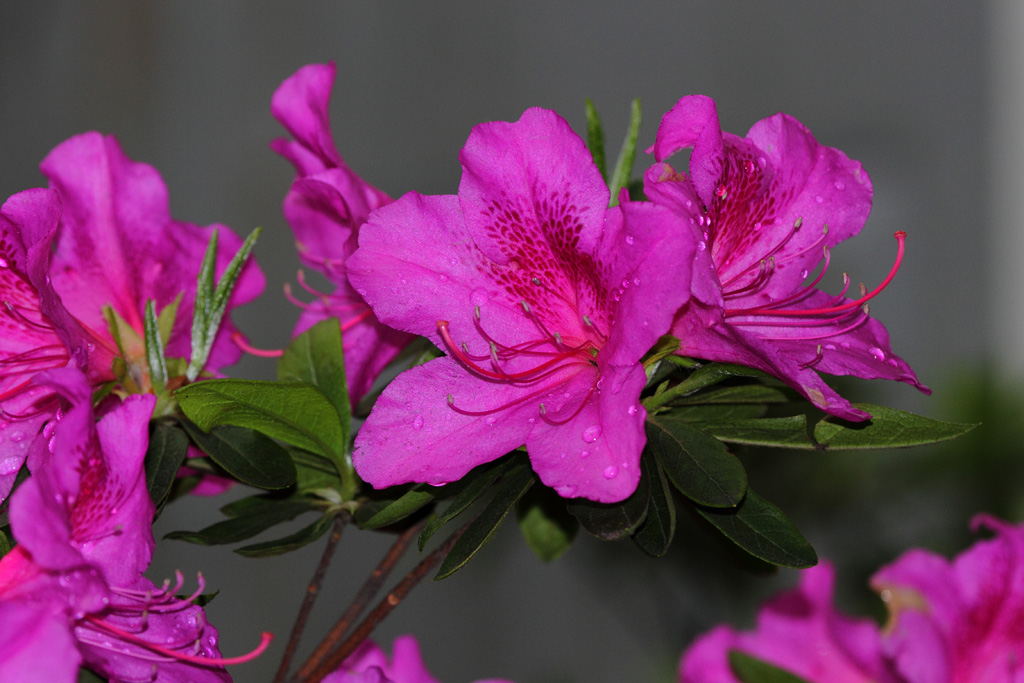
15, 313
819, 354
240, 342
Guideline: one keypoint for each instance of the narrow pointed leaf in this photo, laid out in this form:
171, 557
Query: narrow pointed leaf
481, 529
624, 165
777, 432
201, 310
698, 464
246, 526
762, 530
714, 413
595, 139
165, 321
373, 517
247, 455
168, 446
655, 535
547, 527
5, 541
742, 393
701, 378
611, 521
154, 349
887, 428
300, 538
469, 490
750, 669
294, 412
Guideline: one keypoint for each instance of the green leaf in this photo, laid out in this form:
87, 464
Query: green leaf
750, 669
595, 138
624, 166
611, 521
242, 527
300, 538
702, 377
762, 530
887, 428
86, 676
5, 541
468, 490
778, 432
481, 529
247, 455
212, 302
316, 357
546, 526
655, 535
294, 412
168, 445
698, 464
714, 413
374, 517
741, 393
154, 349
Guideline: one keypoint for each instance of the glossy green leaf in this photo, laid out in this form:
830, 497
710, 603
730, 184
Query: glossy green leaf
300, 538
5, 541
294, 412
750, 669
316, 357
168, 445
714, 413
547, 527
762, 530
655, 535
595, 138
86, 676
246, 526
376, 517
611, 521
247, 455
740, 393
468, 491
778, 432
154, 349
887, 428
698, 464
512, 486
702, 377
624, 165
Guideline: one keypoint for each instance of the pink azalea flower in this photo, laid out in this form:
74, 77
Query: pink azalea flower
960, 621
102, 236
801, 632
325, 207
765, 210
370, 664
543, 299
72, 590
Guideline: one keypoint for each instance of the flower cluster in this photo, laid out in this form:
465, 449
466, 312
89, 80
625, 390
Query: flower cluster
949, 621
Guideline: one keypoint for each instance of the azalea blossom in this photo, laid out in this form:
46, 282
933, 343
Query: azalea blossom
544, 301
72, 590
953, 621
326, 206
765, 211
102, 237
370, 664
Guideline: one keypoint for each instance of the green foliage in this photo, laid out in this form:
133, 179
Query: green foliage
168, 445
749, 669
467, 492
595, 138
624, 165
762, 530
655, 533
300, 538
247, 455
699, 465
611, 521
546, 526
379, 514
248, 517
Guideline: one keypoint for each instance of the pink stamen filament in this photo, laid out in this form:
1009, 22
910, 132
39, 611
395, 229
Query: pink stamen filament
773, 250
239, 341
101, 625
544, 412
828, 310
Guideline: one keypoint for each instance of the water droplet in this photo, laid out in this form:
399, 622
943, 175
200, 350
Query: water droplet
701, 246
417, 422
625, 284
479, 296
636, 282
893, 362
625, 465
631, 410
600, 383
629, 239
489, 421
803, 274
757, 226
819, 199
844, 344
3, 263
17, 436
584, 454
762, 162
567, 491
830, 347
362, 291
531, 420
10, 465
592, 433
840, 185
443, 277
610, 472
877, 353
454, 261
563, 455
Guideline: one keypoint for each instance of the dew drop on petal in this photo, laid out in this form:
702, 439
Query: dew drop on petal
701, 246
592, 433
893, 362
417, 422
625, 465
803, 274
584, 454
489, 421
17, 436
443, 277
3, 263
563, 455
830, 347
819, 199
625, 284
877, 353
567, 491
636, 282
631, 410
757, 226
629, 239
362, 291
479, 296
454, 261
10, 465
840, 185
610, 472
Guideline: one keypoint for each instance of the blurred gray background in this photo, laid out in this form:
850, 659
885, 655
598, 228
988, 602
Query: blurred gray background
928, 96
